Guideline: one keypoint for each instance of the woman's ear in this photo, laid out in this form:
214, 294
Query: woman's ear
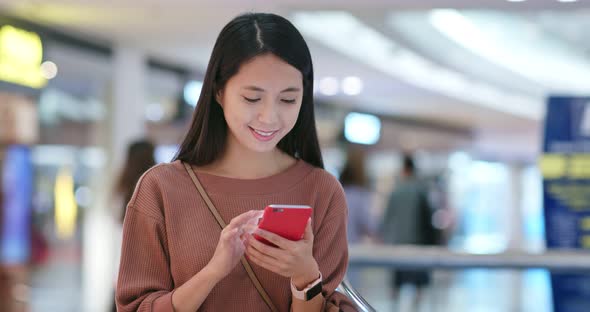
219, 98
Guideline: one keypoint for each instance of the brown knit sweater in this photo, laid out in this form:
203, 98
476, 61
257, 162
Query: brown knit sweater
169, 235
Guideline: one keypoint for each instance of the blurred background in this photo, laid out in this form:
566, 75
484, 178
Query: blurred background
459, 86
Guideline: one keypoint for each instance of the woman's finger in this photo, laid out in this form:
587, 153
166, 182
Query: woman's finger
281, 242
266, 249
250, 216
308, 234
263, 261
231, 234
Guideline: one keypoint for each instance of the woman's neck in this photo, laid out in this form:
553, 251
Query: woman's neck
241, 163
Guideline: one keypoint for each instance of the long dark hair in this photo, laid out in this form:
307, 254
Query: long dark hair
243, 38
140, 158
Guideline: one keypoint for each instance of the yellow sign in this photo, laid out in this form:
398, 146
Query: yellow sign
66, 209
553, 166
558, 166
21, 54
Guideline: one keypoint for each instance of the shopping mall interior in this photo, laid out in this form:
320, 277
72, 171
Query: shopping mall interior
463, 86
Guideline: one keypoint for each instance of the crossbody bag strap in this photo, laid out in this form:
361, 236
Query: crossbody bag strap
222, 224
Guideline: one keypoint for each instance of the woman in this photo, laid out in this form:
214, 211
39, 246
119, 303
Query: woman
252, 142
358, 196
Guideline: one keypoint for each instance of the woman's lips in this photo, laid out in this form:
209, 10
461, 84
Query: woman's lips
263, 136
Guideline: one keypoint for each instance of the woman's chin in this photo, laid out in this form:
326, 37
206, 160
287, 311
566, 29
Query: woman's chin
267, 148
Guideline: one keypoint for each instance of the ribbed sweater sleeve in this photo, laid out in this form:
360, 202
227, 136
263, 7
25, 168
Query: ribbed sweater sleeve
145, 282
330, 250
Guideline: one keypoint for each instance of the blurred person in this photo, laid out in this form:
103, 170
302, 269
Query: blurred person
252, 142
358, 197
139, 158
408, 220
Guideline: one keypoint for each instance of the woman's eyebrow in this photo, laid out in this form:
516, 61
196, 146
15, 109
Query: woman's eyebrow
259, 89
254, 88
291, 89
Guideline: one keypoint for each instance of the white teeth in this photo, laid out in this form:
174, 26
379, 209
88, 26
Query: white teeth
262, 133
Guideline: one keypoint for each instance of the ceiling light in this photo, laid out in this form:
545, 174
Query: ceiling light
48, 70
352, 85
328, 86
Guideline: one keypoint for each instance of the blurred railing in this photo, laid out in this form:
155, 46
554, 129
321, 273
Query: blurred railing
444, 258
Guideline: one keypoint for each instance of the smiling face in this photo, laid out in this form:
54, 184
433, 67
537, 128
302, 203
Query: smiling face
261, 102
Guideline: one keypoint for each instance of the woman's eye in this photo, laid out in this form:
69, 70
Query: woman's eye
288, 101
251, 100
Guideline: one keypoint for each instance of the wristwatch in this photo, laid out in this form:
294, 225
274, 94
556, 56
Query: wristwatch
310, 291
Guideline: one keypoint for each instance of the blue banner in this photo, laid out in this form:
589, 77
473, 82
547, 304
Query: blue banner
17, 186
566, 190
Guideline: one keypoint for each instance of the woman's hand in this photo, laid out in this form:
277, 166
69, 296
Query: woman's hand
230, 247
289, 258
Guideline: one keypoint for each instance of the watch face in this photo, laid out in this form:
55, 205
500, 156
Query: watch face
314, 291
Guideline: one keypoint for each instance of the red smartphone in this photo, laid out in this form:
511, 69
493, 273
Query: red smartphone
288, 221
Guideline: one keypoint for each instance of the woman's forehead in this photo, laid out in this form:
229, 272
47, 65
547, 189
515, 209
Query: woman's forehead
268, 72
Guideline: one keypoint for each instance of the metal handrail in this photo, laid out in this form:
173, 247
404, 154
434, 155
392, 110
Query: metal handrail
360, 303
441, 257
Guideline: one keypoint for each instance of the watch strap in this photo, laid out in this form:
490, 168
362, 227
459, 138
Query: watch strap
310, 291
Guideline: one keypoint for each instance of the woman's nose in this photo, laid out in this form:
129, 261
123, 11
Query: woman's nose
268, 113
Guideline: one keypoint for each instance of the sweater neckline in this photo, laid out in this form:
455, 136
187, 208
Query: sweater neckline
266, 185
